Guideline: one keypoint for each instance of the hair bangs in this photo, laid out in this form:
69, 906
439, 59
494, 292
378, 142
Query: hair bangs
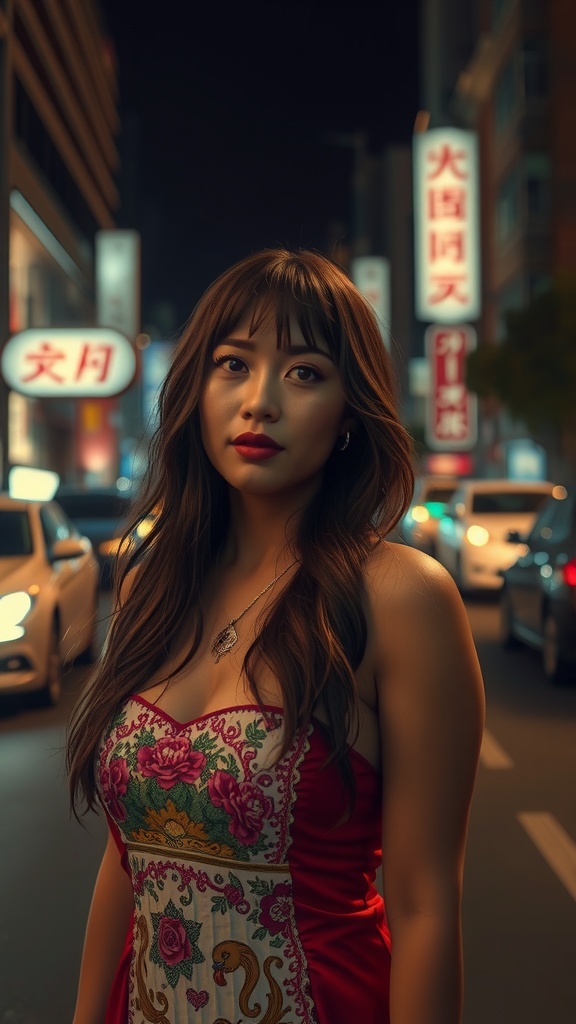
283, 294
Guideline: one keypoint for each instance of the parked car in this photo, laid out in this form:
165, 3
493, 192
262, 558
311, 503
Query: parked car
473, 540
48, 597
101, 515
538, 598
419, 526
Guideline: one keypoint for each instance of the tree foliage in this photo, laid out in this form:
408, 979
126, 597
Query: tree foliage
533, 371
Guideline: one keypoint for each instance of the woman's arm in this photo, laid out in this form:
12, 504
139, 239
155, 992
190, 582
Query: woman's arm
108, 923
431, 710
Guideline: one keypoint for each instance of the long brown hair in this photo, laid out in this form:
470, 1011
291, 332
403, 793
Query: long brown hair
364, 491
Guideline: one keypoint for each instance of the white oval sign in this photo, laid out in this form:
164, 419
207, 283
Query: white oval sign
69, 362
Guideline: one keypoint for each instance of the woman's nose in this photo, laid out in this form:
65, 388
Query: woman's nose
261, 399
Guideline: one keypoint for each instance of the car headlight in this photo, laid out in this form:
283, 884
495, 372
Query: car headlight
477, 536
13, 609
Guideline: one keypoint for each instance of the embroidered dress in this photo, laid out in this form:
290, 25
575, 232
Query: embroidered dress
253, 894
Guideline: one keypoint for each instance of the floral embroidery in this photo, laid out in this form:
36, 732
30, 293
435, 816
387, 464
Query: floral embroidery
173, 828
174, 946
276, 908
171, 760
205, 812
114, 780
244, 802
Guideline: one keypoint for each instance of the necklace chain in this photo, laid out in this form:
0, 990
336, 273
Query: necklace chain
228, 637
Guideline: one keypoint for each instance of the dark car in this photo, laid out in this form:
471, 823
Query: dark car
538, 598
101, 515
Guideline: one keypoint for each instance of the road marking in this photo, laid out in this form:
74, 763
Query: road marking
492, 755
555, 845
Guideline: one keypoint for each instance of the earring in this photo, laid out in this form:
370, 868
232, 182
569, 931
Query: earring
343, 447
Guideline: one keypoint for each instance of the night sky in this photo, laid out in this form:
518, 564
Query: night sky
228, 112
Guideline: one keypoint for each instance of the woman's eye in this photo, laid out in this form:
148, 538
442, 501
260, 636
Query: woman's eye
304, 374
232, 363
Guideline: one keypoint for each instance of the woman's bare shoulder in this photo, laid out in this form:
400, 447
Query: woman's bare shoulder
398, 571
422, 635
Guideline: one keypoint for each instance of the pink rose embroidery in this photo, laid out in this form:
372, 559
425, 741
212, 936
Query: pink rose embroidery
173, 942
171, 760
114, 781
275, 909
244, 802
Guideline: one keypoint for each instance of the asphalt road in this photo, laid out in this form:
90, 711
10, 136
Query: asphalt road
520, 891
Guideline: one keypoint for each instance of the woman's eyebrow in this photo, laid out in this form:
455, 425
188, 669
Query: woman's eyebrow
292, 350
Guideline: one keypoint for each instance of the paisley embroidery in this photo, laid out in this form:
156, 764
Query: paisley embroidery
229, 956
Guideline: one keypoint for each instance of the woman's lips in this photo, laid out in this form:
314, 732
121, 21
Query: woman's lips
256, 447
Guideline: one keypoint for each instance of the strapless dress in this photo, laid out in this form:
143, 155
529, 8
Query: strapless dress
254, 896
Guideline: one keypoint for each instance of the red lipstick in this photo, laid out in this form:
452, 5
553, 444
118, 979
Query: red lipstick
256, 446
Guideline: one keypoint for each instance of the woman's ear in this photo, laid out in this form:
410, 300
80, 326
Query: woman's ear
349, 423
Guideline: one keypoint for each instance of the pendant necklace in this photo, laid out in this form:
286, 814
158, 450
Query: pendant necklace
228, 636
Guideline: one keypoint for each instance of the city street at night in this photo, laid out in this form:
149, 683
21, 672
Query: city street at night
520, 892
280, 281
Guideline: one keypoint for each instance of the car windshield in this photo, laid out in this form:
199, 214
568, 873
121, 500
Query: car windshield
508, 501
15, 535
94, 506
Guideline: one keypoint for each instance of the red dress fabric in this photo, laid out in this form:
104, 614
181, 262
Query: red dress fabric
312, 933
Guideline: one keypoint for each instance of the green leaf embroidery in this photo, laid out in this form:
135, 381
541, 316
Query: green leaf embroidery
146, 738
260, 933
149, 886
231, 766
259, 887
205, 743
254, 735
220, 904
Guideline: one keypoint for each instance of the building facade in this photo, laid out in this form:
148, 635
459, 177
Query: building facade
58, 161
507, 70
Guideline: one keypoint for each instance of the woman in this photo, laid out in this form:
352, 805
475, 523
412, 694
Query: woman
283, 692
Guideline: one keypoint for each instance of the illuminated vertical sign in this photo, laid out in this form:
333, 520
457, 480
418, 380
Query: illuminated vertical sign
371, 275
118, 281
446, 225
156, 361
452, 420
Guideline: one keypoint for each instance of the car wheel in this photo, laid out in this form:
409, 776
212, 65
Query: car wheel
555, 668
51, 692
507, 638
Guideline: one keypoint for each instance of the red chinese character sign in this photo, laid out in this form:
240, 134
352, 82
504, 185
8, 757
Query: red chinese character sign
452, 410
446, 225
70, 362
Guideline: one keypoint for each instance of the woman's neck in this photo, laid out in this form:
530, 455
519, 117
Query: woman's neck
261, 533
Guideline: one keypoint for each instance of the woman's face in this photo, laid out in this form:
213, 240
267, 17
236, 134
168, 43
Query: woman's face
271, 417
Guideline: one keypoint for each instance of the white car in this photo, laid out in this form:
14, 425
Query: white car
473, 540
419, 527
48, 597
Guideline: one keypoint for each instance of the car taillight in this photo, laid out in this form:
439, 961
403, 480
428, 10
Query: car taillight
569, 572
